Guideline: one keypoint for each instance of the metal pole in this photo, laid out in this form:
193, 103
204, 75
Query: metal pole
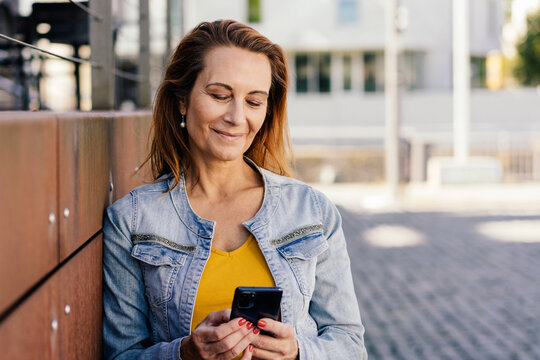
391, 100
461, 80
168, 29
77, 77
101, 43
143, 86
186, 10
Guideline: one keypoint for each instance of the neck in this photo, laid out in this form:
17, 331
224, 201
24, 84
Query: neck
221, 180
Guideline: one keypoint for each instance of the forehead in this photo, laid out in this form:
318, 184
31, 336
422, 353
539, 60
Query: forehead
238, 68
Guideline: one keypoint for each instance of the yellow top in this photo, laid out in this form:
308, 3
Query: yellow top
224, 271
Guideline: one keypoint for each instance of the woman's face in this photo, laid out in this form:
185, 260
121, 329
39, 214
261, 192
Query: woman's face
228, 103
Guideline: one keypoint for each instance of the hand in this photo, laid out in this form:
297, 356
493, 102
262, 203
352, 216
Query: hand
218, 338
282, 346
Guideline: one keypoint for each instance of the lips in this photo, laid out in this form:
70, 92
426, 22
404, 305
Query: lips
227, 135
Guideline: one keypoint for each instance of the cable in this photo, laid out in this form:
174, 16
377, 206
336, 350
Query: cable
89, 11
127, 75
68, 58
116, 72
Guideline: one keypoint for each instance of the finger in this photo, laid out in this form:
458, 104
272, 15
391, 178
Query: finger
218, 317
284, 350
248, 353
282, 344
210, 333
235, 342
269, 343
264, 354
243, 345
278, 329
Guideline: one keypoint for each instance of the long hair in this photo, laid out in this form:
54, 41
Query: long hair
169, 153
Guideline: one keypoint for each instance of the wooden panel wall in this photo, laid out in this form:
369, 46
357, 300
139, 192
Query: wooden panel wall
83, 178
28, 202
28, 332
80, 300
58, 174
129, 149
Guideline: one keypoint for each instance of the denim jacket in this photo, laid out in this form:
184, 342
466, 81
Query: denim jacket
156, 248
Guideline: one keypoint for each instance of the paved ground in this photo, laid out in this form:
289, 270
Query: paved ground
447, 285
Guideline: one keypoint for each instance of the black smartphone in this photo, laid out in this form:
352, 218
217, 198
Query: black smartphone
256, 302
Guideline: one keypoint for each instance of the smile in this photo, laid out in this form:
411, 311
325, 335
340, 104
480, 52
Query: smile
227, 136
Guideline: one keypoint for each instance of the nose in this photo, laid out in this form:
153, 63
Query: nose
235, 113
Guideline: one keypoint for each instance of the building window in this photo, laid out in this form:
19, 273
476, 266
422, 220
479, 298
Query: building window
347, 12
478, 72
373, 71
324, 73
347, 72
254, 11
413, 70
313, 72
301, 63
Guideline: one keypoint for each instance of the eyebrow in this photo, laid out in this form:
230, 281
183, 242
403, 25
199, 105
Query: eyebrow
228, 87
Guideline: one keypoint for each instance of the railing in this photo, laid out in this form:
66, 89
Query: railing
101, 40
356, 154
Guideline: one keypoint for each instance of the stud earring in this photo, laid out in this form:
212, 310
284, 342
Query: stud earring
183, 121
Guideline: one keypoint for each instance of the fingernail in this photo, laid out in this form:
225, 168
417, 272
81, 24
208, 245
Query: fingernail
261, 323
256, 331
250, 348
242, 321
249, 325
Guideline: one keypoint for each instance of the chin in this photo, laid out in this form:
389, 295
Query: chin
229, 156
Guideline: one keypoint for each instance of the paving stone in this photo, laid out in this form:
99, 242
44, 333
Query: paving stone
458, 294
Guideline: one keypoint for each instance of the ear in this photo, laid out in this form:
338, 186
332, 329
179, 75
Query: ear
182, 107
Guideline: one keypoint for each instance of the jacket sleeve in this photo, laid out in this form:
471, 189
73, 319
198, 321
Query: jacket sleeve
126, 329
333, 306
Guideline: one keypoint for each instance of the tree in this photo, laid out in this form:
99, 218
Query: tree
527, 69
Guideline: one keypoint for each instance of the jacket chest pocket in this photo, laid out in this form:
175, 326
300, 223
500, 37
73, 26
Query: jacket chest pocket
160, 266
301, 255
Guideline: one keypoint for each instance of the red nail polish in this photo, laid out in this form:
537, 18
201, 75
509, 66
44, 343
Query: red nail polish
250, 348
261, 323
242, 321
256, 331
249, 325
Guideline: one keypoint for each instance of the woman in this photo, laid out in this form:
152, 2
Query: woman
221, 214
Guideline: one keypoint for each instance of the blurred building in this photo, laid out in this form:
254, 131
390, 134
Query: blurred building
337, 45
335, 50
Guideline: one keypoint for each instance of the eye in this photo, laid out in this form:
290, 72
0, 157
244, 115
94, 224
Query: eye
219, 96
254, 103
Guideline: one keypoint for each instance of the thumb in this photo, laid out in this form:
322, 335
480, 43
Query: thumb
218, 317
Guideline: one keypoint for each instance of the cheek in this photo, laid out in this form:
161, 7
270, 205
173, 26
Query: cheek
199, 114
258, 122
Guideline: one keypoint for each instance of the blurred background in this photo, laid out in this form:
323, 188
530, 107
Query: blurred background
338, 110
420, 119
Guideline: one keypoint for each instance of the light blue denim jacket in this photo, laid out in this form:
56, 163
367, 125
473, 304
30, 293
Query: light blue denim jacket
156, 248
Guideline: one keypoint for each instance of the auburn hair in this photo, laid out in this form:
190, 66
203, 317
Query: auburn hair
169, 152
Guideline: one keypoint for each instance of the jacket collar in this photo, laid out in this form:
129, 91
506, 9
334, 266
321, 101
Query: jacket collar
205, 228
